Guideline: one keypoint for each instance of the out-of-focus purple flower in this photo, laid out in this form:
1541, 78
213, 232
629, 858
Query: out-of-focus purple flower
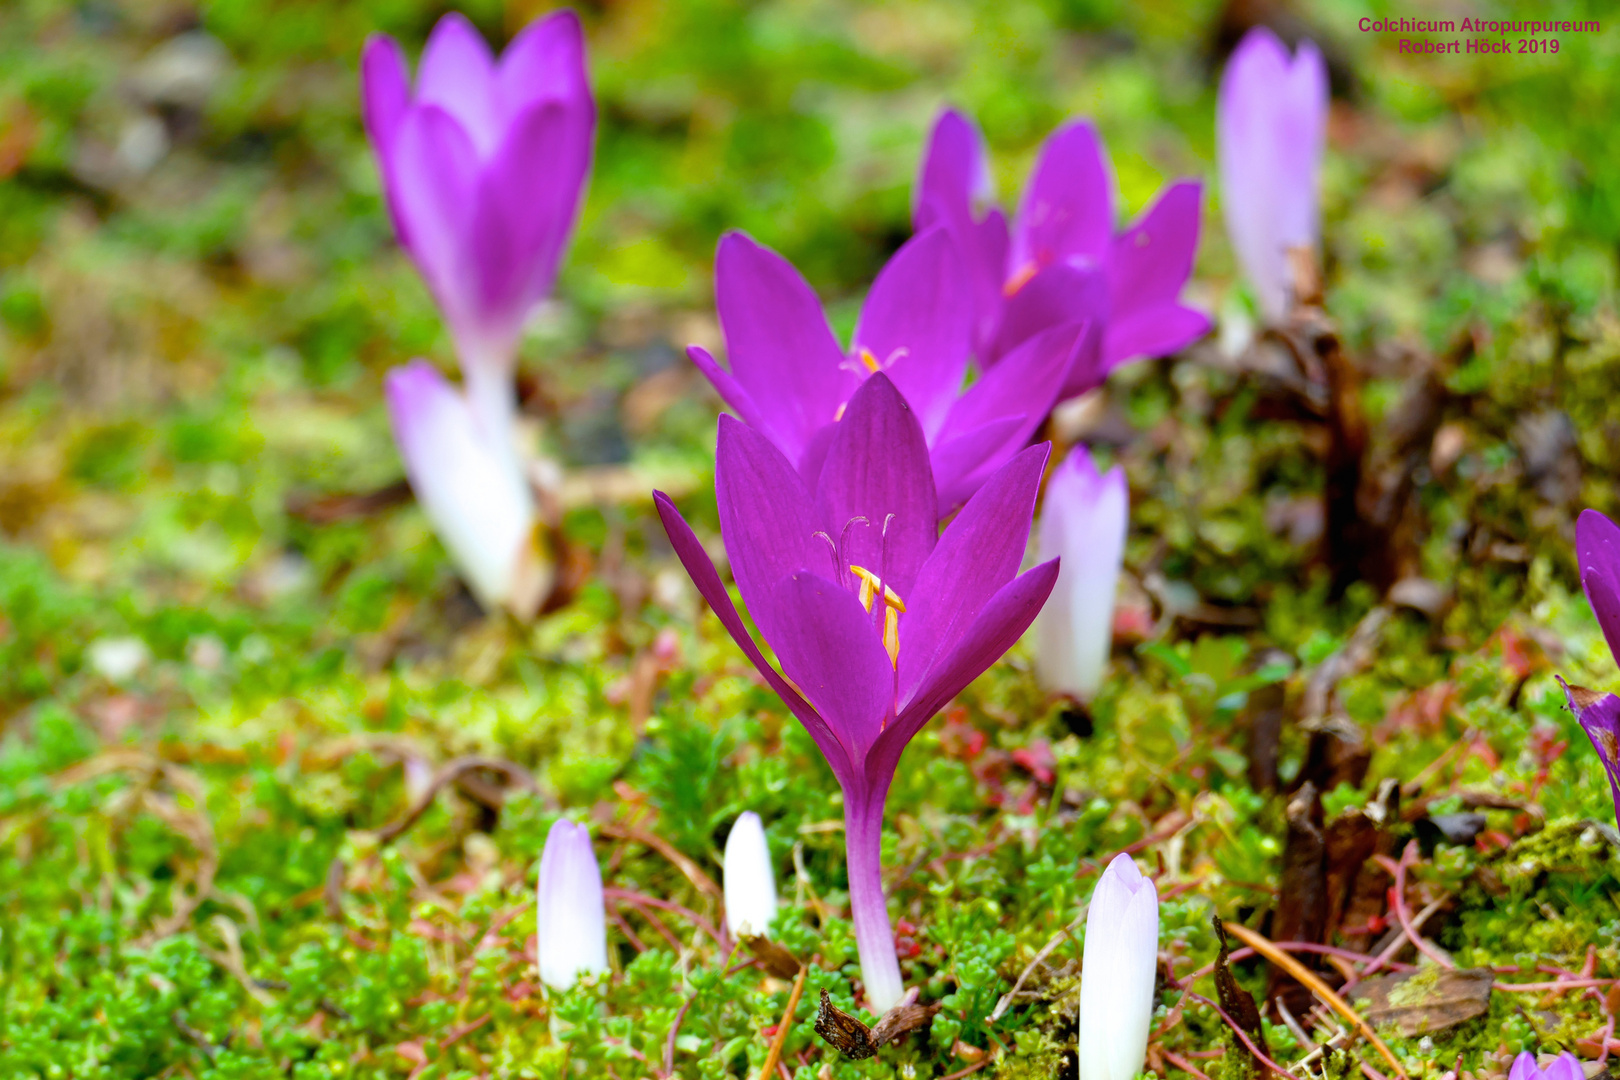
571, 918
1565, 1066
790, 380
1116, 980
471, 485
1597, 549
876, 618
1061, 261
750, 884
483, 165
1270, 122
1083, 520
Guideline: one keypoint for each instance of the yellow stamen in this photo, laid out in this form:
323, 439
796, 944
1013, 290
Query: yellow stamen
870, 583
1020, 279
839, 415
892, 607
870, 361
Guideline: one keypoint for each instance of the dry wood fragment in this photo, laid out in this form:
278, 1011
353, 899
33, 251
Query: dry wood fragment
1426, 1001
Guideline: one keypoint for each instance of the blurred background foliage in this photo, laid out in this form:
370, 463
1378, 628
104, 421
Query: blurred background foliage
200, 294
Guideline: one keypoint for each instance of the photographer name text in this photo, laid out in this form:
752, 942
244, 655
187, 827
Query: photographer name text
1485, 36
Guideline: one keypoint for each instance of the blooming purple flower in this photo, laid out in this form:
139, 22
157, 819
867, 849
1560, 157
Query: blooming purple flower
1061, 261
483, 165
790, 380
877, 619
1597, 549
571, 918
1270, 121
1083, 520
471, 486
1565, 1066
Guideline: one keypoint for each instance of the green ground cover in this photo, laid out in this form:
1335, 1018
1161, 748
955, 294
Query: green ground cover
225, 679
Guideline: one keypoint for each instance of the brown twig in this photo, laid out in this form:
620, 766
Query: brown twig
782, 1029
694, 873
1404, 916
448, 773
1183, 1064
1321, 989
642, 900
1242, 1035
1046, 950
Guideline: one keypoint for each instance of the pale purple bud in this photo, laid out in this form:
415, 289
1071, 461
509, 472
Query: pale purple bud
571, 917
750, 883
1120, 964
470, 483
1083, 522
1271, 118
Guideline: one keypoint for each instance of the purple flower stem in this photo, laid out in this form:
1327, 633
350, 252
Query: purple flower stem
874, 937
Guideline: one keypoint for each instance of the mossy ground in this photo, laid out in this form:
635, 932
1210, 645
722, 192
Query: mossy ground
191, 877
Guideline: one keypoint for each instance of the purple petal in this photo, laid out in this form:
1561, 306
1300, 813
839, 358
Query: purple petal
432, 178
955, 176
729, 389
1068, 207
1270, 120
1565, 1066
1524, 1066
457, 74
1597, 549
998, 626
703, 575
1065, 292
877, 470
979, 552
954, 184
1026, 384
529, 194
815, 455
829, 648
765, 518
967, 455
779, 345
1153, 331
545, 62
918, 323
385, 90
1153, 259
1599, 716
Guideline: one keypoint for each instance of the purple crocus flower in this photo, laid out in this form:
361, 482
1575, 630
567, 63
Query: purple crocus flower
1597, 549
791, 381
878, 621
1270, 122
1061, 261
483, 165
1565, 1066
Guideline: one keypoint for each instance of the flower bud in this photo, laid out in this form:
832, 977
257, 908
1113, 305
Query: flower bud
572, 919
1120, 963
750, 884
